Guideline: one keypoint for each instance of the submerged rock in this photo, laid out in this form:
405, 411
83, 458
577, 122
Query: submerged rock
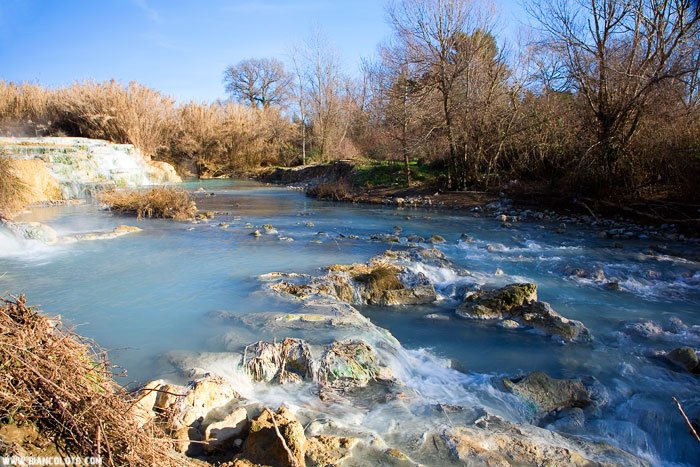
548, 394
494, 441
32, 231
685, 358
383, 281
516, 305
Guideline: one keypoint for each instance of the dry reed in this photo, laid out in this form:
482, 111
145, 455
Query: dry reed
13, 191
161, 202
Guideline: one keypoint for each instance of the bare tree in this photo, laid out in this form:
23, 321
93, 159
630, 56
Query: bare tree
402, 102
258, 81
434, 33
321, 94
616, 54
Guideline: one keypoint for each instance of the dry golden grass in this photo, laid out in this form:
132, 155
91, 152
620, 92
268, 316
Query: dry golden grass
62, 384
13, 191
161, 202
210, 139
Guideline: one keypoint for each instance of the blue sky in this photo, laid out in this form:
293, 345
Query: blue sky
180, 47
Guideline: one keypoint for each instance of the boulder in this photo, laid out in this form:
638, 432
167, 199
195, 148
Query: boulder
202, 396
685, 358
497, 303
642, 328
142, 409
542, 317
275, 439
515, 306
350, 364
436, 239
220, 436
548, 394
288, 361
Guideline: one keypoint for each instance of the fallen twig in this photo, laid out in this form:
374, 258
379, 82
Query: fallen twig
292, 459
687, 421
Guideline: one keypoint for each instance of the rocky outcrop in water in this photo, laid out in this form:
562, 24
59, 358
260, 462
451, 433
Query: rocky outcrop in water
384, 281
341, 366
546, 394
684, 358
517, 303
43, 233
494, 441
65, 168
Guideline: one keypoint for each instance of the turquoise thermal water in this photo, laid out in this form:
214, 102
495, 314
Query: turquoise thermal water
147, 295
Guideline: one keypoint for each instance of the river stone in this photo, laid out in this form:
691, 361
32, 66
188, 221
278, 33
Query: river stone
380, 283
497, 303
643, 328
264, 446
547, 394
685, 358
542, 317
436, 239
220, 435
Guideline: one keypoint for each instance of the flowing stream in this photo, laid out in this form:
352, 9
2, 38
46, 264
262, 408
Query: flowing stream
157, 297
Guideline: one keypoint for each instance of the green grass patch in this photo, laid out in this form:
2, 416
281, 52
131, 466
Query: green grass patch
391, 174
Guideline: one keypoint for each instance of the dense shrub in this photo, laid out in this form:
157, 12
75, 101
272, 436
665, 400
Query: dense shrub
166, 203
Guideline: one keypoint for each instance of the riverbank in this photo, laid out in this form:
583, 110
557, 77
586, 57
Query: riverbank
345, 181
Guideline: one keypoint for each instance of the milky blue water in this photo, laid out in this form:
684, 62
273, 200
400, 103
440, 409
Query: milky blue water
146, 295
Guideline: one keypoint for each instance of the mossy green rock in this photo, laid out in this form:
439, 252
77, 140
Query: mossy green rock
347, 364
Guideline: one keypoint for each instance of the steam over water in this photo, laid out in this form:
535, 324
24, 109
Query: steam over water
167, 298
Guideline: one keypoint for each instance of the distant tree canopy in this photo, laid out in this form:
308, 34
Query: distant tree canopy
258, 82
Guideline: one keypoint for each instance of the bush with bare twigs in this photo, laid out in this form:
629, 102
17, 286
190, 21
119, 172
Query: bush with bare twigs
61, 384
160, 202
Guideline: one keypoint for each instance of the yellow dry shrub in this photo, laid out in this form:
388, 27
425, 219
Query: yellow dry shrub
161, 202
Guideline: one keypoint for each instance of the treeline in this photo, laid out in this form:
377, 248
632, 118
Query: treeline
602, 100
